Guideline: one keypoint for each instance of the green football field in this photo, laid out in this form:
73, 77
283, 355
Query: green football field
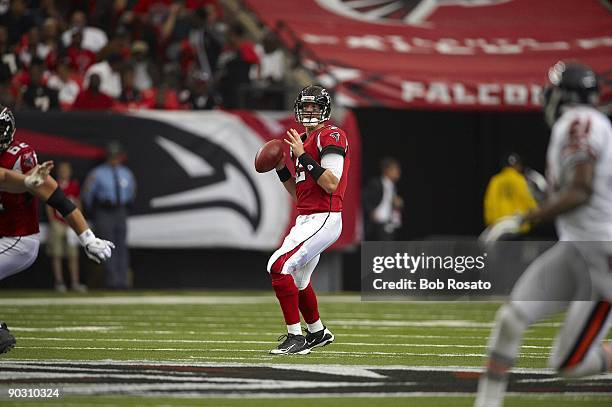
211, 348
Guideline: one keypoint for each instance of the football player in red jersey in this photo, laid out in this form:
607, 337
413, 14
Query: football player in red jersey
19, 214
321, 159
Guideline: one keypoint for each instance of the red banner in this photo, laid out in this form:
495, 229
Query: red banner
450, 54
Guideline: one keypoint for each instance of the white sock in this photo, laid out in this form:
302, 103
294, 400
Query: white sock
295, 329
316, 326
490, 392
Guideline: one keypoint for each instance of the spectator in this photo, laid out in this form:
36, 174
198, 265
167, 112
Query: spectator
109, 190
163, 97
191, 40
382, 205
129, 94
47, 49
234, 65
7, 97
91, 98
62, 242
18, 21
9, 61
46, 9
94, 39
120, 43
272, 68
80, 58
27, 49
269, 75
37, 95
68, 89
108, 71
207, 42
508, 193
154, 11
144, 69
197, 97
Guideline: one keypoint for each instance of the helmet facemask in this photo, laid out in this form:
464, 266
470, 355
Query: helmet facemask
551, 103
7, 128
317, 96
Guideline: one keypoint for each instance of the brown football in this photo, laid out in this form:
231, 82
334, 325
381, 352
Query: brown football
269, 155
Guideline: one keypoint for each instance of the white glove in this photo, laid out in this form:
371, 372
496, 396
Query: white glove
508, 225
37, 175
98, 250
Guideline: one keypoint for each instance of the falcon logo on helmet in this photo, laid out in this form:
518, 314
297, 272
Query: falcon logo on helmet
318, 96
7, 128
568, 83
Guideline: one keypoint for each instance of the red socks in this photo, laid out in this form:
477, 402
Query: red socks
287, 294
308, 305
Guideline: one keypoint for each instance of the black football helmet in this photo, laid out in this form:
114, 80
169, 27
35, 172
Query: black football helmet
312, 94
569, 83
7, 128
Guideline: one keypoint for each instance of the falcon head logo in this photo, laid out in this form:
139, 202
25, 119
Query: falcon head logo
403, 12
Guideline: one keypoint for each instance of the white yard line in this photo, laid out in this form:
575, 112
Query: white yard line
65, 329
343, 353
163, 300
343, 335
407, 345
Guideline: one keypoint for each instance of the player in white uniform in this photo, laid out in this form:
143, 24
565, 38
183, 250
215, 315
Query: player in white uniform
576, 273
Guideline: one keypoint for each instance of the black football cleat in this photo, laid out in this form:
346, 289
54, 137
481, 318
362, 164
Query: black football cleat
293, 344
319, 338
7, 341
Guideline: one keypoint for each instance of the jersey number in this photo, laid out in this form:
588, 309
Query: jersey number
300, 174
15, 149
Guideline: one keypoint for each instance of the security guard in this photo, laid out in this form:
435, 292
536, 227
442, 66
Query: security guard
109, 190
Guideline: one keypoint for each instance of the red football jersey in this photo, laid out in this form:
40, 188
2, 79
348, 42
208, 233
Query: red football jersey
18, 212
311, 198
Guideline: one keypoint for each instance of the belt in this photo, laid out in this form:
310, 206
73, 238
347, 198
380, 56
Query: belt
108, 205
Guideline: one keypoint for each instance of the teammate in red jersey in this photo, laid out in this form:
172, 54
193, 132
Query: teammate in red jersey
19, 214
321, 159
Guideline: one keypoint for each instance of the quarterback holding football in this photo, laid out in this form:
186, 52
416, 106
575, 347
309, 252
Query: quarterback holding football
321, 161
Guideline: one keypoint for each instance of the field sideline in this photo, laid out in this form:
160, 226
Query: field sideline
211, 348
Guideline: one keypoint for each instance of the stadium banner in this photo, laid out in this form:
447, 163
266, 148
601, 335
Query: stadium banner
441, 54
196, 182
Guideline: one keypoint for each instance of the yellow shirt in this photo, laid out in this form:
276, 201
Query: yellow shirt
507, 194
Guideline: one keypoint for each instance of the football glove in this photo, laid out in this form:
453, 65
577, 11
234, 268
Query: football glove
37, 175
508, 225
98, 250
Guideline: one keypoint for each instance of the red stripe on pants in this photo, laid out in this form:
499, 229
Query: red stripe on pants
588, 335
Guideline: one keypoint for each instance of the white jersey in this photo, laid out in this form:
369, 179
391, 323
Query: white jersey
583, 133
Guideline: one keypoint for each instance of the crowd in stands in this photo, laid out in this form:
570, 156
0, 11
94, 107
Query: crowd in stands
133, 54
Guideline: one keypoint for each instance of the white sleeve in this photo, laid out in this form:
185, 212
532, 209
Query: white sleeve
333, 162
